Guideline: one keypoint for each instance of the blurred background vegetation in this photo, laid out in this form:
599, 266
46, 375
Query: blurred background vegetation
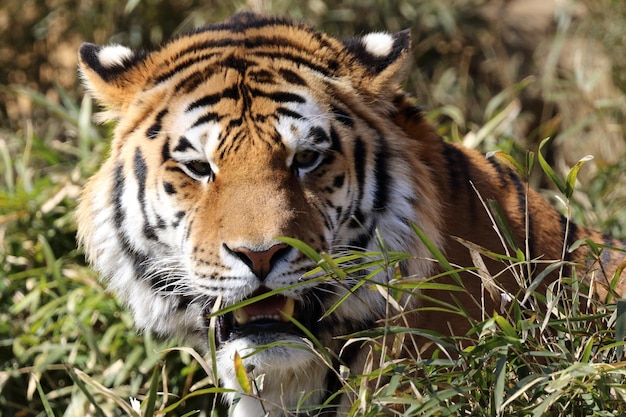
499, 74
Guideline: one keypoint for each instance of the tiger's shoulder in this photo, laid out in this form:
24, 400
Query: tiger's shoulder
468, 182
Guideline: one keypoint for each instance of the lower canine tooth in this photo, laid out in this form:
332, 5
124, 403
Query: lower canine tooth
241, 317
288, 308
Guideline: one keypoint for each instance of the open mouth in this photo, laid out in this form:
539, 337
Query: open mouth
275, 308
272, 314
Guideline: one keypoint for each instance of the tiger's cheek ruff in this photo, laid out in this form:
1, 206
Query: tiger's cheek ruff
137, 231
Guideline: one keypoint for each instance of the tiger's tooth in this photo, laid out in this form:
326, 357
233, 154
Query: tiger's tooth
288, 309
241, 317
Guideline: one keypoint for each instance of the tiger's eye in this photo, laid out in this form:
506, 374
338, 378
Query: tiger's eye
305, 159
199, 168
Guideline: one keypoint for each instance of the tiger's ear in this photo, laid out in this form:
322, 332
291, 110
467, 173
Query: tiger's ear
113, 74
381, 58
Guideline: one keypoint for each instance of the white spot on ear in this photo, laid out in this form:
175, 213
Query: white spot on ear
114, 55
379, 44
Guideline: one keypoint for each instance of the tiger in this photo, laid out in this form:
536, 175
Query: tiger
239, 133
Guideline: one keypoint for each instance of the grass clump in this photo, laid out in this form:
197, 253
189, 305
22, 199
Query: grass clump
548, 352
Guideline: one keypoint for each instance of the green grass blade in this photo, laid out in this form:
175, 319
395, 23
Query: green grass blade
434, 250
547, 169
503, 224
152, 393
500, 382
620, 326
83, 387
44, 399
570, 181
302, 247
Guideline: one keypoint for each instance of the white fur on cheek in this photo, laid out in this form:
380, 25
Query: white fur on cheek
294, 132
378, 44
114, 55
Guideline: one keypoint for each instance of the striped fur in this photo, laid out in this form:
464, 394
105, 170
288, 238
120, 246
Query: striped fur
258, 127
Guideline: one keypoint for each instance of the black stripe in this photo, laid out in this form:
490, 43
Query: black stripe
140, 170
338, 213
335, 141
359, 169
183, 145
165, 151
520, 188
458, 171
362, 241
409, 110
193, 80
183, 64
326, 215
276, 140
262, 76
289, 113
118, 192
233, 123
203, 45
501, 173
137, 259
342, 116
318, 135
459, 177
327, 70
292, 77
247, 20
207, 118
229, 146
169, 188
175, 168
257, 46
338, 181
183, 302
161, 284
278, 96
179, 216
381, 172
211, 100
240, 24
154, 130
329, 158
237, 63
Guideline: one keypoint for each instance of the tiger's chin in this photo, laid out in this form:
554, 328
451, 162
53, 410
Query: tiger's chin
285, 370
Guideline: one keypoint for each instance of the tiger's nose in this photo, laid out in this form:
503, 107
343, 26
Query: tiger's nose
261, 262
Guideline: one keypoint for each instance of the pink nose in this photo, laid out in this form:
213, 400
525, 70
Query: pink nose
261, 262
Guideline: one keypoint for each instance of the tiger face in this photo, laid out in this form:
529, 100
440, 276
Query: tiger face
227, 139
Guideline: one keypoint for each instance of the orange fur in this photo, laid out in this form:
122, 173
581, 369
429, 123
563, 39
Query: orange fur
464, 216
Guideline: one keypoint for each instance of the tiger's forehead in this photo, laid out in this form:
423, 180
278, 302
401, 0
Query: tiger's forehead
240, 45
234, 87
232, 110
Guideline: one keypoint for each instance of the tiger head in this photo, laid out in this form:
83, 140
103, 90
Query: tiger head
228, 138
